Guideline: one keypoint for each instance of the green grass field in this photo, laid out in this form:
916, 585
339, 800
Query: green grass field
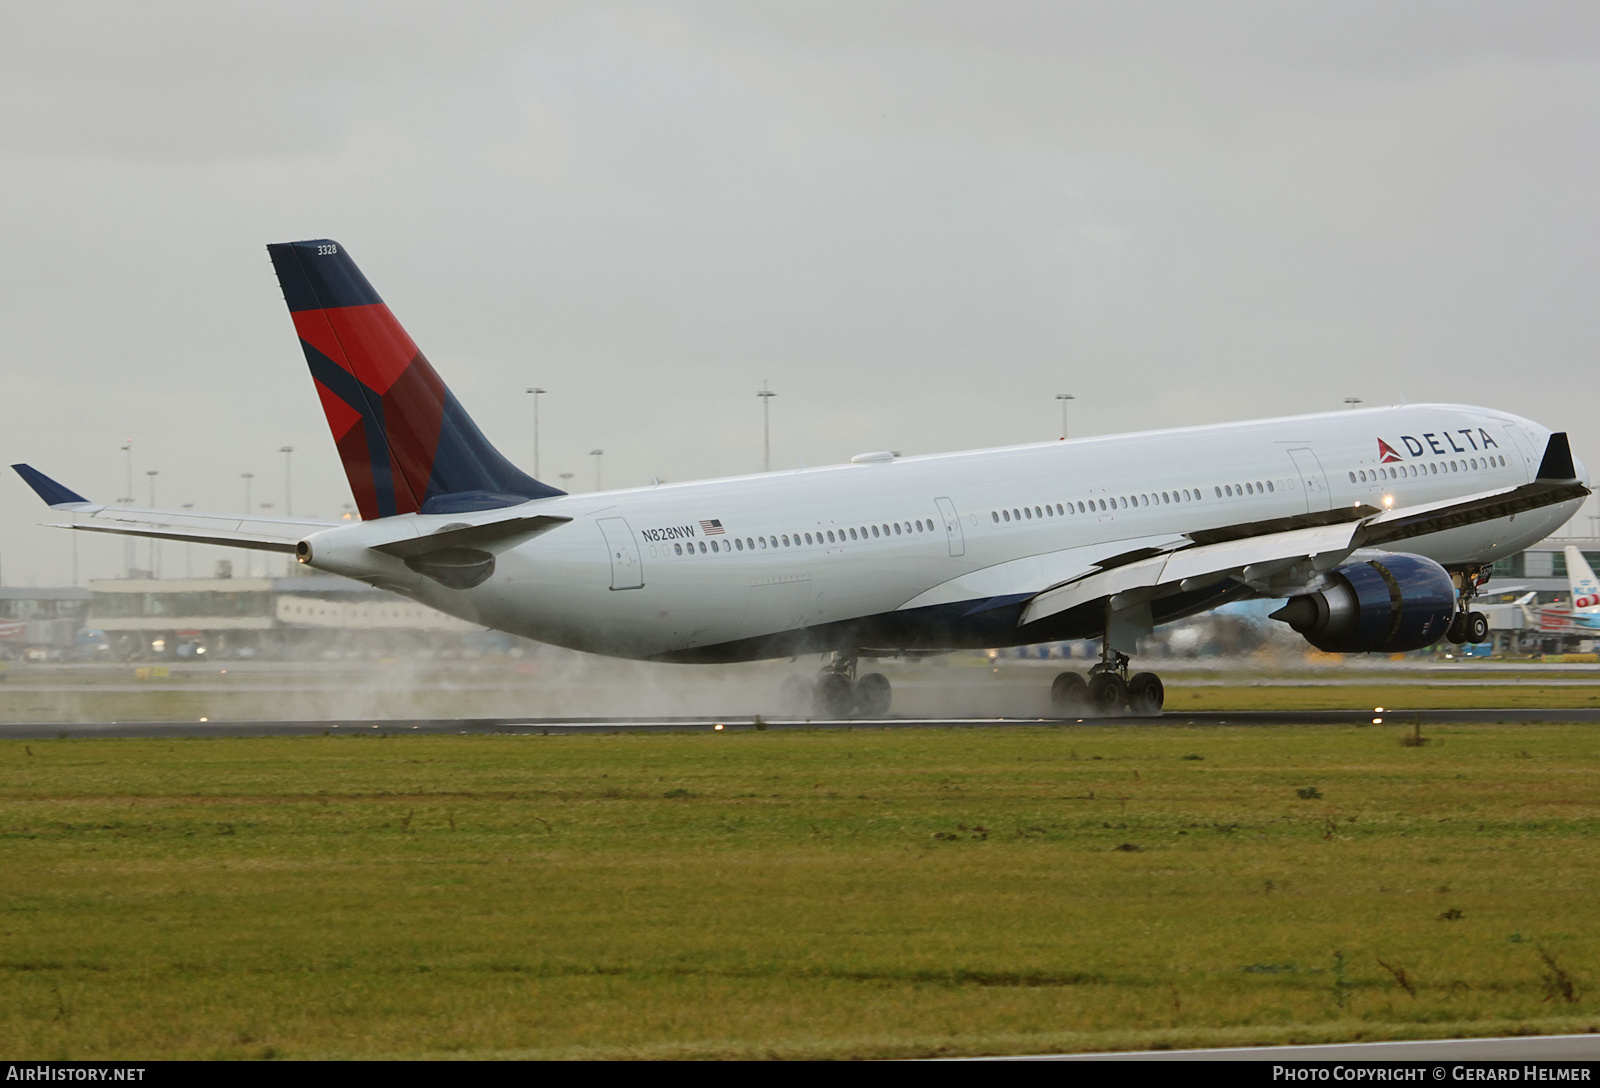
795, 894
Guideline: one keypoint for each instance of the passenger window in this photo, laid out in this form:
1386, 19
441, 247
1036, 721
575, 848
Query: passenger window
875, 528
1007, 513
1060, 510
993, 514
897, 528
1102, 504
702, 547
808, 538
678, 548
737, 543
763, 542
1218, 490
1027, 513
715, 546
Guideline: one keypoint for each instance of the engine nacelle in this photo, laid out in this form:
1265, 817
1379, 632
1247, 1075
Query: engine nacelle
1388, 605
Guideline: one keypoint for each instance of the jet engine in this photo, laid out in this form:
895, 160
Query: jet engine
1388, 605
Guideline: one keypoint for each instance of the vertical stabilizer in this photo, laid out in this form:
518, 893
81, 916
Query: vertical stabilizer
406, 442
1581, 580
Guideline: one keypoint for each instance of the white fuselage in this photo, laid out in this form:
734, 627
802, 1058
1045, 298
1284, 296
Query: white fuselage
904, 553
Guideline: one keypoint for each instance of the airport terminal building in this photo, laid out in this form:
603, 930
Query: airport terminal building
315, 616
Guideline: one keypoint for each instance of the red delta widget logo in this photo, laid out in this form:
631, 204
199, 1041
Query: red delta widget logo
1441, 443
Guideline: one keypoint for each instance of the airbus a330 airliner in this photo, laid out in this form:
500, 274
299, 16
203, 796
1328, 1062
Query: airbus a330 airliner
1378, 525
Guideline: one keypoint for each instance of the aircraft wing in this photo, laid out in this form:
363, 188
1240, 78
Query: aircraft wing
231, 531
1287, 553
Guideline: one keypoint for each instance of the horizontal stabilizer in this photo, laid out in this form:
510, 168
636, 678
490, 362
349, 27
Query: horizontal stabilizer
52, 493
248, 541
495, 536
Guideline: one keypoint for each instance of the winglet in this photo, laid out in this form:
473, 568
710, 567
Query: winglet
52, 493
1557, 463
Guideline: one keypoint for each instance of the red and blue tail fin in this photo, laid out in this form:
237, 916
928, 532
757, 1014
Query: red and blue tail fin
406, 442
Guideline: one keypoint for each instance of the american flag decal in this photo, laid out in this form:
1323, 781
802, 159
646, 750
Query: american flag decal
712, 528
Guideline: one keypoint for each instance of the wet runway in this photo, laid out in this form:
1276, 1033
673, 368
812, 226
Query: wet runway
700, 724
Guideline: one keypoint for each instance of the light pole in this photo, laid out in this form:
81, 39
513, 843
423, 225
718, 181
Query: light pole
247, 477
155, 556
188, 550
766, 396
1064, 398
127, 500
288, 506
536, 393
565, 476
597, 454
1351, 402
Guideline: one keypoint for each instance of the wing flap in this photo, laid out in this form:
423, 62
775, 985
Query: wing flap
1323, 546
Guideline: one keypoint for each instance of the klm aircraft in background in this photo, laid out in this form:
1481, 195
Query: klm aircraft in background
1378, 526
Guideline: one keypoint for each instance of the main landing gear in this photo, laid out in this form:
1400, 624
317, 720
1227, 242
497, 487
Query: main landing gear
837, 692
1108, 691
1466, 625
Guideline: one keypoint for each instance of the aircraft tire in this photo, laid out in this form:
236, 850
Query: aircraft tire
1456, 633
835, 695
1108, 693
873, 695
1477, 627
1146, 694
1069, 695
794, 696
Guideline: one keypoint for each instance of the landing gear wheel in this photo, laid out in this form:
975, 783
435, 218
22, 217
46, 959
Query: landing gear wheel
1146, 693
835, 694
1457, 631
1069, 695
873, 695
1108, 693
1477, 627
794, 696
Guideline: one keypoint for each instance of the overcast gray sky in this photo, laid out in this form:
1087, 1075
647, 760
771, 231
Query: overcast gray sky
920, 221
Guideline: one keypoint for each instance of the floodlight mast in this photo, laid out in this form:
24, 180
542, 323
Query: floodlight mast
1064, 398
766, 396
536, 393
